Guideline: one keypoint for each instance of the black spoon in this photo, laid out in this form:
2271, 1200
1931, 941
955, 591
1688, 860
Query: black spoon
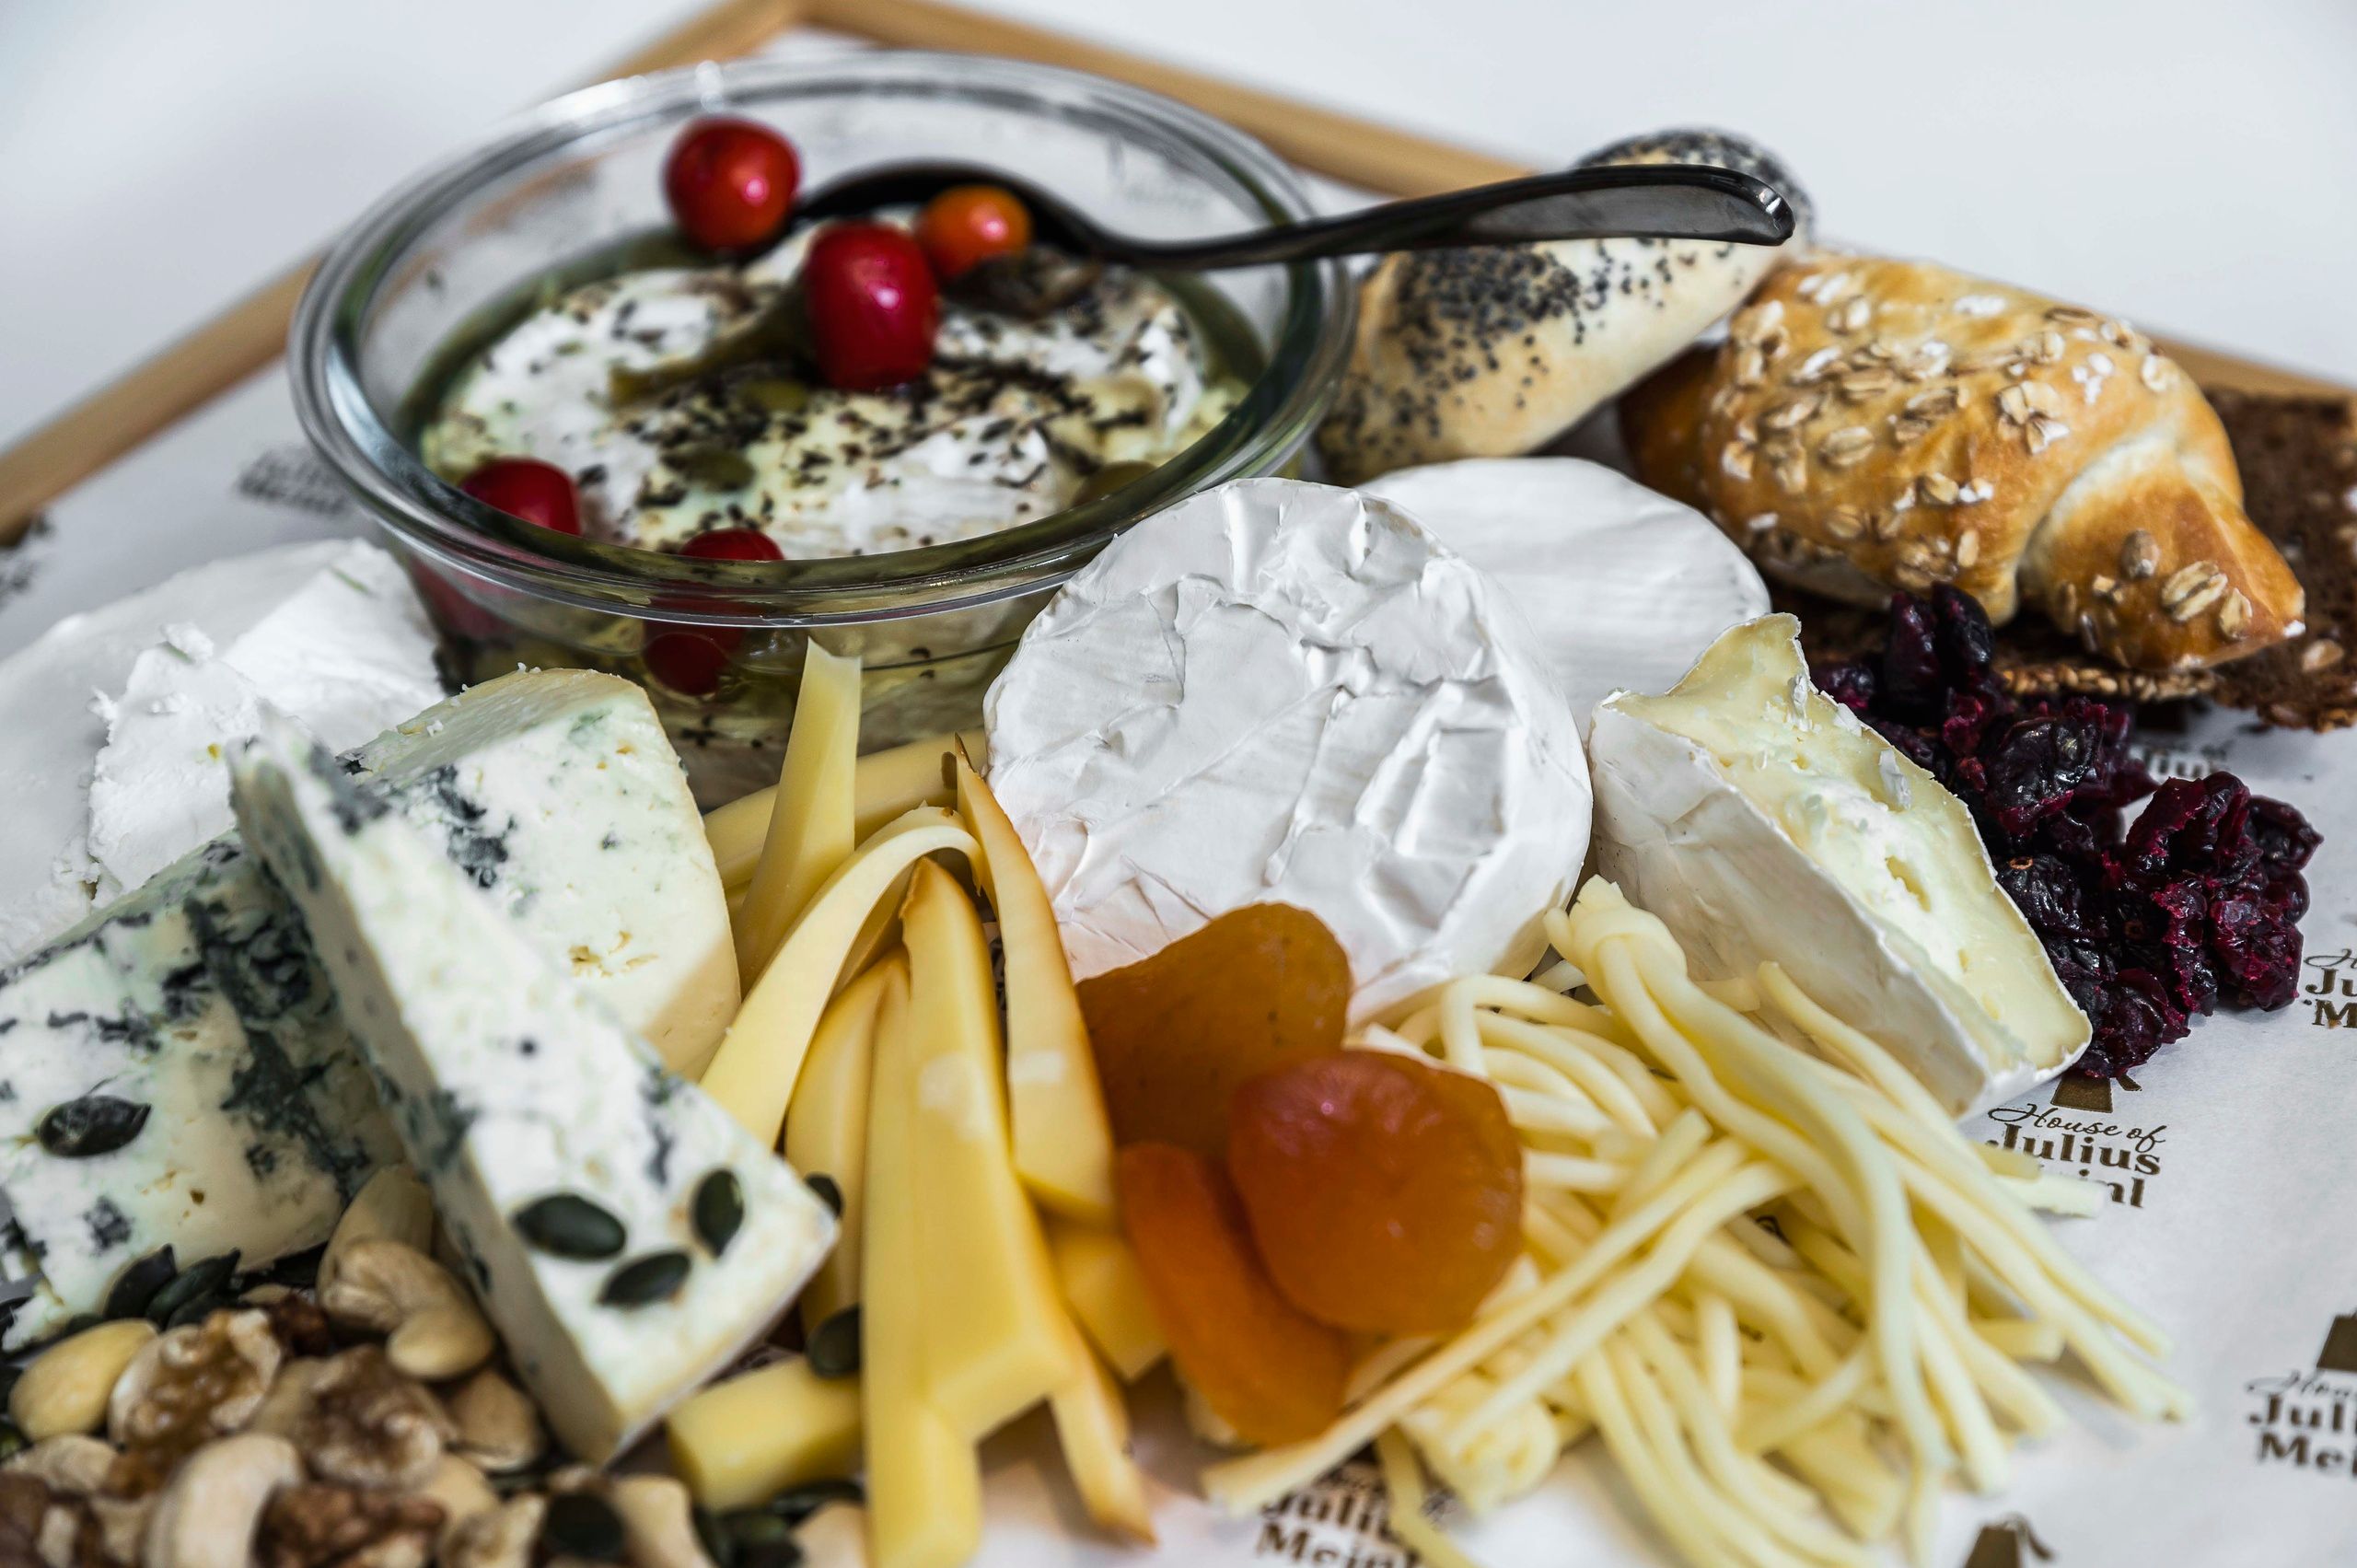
1662, 201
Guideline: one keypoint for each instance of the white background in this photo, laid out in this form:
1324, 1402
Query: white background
2186, 164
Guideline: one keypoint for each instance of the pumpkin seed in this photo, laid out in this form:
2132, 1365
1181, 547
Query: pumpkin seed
12, 1438
652, 1278
787, 1553
719, 1209
829, 1191
196, 1283
752, 1528
137, 1285
571, 1227
796, 1504
834, 1346
581, 1524
714, 468
95, 1125
774, 394
714, 1537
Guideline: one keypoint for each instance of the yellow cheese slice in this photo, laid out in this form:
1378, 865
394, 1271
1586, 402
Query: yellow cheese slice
1064, 1143
744, 1440
925, 1482
1107, 1294
885, 784
995, 1341
826, 1127
754, 1070
1093, 1430
809, 831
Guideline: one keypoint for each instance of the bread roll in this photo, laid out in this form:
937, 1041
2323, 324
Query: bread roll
1495, 350
1873, 423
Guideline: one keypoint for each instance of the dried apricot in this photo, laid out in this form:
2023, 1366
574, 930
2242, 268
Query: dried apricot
1384, 1192
1176, 1033
1268, 1371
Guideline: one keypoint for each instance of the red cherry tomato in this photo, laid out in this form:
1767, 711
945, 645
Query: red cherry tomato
874, 306
729, 182
688, 659
733, 544
966, 223
541, 494
451, 607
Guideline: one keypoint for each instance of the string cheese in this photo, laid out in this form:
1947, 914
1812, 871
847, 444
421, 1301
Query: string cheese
746, 1438
1100, 1282
884, 784
809, 831
826, 1128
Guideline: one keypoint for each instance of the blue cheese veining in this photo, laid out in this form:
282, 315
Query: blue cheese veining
626, 1234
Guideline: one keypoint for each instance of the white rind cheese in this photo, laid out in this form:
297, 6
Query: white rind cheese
1624, 586
199, 999
1760, 819
1284, 692
512, 1086
329, 633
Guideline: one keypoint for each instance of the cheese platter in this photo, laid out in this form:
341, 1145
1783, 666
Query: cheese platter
919, 902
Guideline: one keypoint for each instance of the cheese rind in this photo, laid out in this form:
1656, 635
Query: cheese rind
509, 1083
1760, 819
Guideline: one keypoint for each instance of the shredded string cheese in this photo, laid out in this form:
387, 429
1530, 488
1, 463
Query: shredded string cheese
1761, 1264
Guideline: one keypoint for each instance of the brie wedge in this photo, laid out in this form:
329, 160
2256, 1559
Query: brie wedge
511, 1086
1284, 692
1624, 586
1760, 819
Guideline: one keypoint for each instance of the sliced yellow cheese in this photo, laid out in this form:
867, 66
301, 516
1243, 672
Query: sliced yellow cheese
809, 831
925, 1482
995, 1341
1093, 1430
754, 1070
886, 784
744, 1440
826, 1127
1101, 1284
1064, 1142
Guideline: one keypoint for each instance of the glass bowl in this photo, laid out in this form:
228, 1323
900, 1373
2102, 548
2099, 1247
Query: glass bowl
466, 242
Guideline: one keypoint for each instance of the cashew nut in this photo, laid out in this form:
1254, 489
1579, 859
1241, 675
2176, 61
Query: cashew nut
122, 1525
503, 1537
66, 1386
463, 1494
208, 1515
61, 1527
71, 1463
658, 1527
392, 1205
433, 1331
499, 1427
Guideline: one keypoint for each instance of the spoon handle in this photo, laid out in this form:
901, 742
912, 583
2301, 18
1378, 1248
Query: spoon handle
1627, 201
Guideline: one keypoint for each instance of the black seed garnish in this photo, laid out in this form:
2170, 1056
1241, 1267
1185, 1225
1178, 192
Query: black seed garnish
829, 1191
834, 1346
796, 1504
137, 1285
95, 1125
581, 1524
719, 1209
653, 1278
194, 1284
571, 1227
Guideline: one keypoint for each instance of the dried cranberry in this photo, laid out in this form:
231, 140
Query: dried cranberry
2285, 841
1851, 685
1913, 683
2050, 895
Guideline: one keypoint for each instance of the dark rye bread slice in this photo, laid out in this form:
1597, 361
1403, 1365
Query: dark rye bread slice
2298, 458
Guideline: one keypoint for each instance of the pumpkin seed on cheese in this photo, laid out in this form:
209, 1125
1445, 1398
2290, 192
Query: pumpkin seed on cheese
826, 1127
754, 1070
924, 1481
1063, 1143
745, 1439
995, 1341
809, 831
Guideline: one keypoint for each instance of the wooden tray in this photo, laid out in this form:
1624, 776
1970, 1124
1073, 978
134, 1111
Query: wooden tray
251, 333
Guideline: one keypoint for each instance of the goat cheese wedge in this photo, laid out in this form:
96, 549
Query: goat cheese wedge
1760, 819
1624, 586
174, 1071
625, 1235
1284, 692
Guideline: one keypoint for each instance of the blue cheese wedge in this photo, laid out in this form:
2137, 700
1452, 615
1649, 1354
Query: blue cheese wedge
191, 1025
628, 1238
1760, 819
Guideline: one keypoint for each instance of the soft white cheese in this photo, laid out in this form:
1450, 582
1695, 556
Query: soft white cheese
199, 999
328, 631
1624, 586
511, 1086
1283, 692
1760, 819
